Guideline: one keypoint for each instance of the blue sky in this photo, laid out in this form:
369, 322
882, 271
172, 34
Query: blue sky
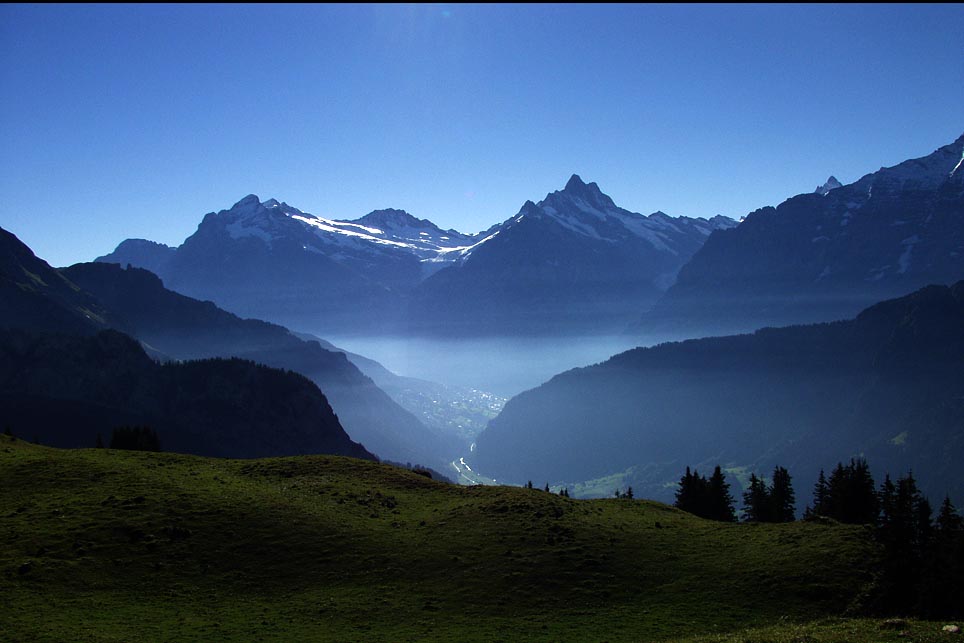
134, 121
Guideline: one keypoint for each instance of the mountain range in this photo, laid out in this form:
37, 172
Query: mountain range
576, 263
572, 262
826, 255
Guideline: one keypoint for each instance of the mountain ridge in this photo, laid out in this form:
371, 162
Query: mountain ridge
272, 261
818, 257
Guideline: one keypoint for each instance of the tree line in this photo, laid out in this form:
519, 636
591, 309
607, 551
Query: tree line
132, 438
921, 568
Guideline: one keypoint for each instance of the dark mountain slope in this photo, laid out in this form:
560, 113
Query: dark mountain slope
34, 295
226, 408
826, 255
186, 328
887, 384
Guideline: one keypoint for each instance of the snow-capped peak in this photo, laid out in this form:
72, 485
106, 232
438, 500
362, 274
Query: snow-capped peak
925, 173
584, 209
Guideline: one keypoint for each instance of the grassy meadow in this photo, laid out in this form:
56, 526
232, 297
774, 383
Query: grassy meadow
108, 545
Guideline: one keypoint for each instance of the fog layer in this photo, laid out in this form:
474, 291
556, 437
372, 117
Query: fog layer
502, 365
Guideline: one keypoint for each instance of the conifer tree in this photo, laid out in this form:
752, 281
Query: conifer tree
864, 497
782, 502
821, 495
903, 529
688, 493
719, 499
850, 494
948, 520
706, 498
756, 501
942, 576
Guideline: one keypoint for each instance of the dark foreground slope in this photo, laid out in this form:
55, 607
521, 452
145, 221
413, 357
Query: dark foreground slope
887, 385
103, 545
64, 390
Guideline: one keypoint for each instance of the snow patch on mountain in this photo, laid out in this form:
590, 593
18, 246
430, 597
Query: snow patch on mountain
643, 228
926, 173
583, 208
957, 167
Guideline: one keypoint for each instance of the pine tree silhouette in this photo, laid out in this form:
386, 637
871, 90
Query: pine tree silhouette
756, 501
782, 502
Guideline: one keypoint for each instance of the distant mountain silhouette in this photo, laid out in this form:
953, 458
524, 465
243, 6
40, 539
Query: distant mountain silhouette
65, 390
573, 262
886, 385
826, 255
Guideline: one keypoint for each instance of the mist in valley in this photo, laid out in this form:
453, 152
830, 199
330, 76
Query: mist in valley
504, 366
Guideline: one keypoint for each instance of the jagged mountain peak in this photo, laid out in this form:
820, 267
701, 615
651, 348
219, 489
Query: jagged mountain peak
247, 202
830, 184
575, 183
392, 218
581, 194
253, 205
575, 186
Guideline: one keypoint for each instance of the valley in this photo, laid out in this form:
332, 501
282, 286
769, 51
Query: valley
503, 366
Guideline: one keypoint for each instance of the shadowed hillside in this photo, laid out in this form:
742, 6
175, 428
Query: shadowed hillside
886, 385
66, 390
108, 545
186, 328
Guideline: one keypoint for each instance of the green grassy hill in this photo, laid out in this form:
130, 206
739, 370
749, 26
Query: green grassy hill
104, 545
